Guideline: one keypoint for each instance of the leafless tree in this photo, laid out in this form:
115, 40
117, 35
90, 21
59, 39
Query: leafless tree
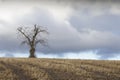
32, 36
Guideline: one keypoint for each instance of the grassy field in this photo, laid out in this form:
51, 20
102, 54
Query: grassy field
58, 69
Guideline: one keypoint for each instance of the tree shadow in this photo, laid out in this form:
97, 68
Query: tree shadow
58, 74
19, 72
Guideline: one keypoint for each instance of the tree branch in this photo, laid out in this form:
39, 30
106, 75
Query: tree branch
20, 30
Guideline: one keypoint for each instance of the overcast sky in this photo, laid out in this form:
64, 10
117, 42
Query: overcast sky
78, 29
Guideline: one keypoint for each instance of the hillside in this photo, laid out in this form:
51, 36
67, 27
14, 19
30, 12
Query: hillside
58, 69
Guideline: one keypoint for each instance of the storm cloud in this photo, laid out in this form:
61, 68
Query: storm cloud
74, 26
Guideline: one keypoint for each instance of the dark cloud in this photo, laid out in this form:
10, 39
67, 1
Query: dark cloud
107, 22
9, 55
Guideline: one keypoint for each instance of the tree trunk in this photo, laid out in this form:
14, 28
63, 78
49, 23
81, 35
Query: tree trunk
32, 53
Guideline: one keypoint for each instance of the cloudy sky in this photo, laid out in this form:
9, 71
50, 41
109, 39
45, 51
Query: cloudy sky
88, 29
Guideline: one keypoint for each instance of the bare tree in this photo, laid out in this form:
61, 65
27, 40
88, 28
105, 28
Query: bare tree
32, 36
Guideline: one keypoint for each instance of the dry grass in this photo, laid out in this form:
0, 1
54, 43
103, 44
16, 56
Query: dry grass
56, 69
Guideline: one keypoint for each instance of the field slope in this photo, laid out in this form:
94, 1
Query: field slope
58, 69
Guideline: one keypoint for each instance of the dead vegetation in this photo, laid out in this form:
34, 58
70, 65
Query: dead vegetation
58, 69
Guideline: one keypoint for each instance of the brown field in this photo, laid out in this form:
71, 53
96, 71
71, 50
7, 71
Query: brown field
58, 69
